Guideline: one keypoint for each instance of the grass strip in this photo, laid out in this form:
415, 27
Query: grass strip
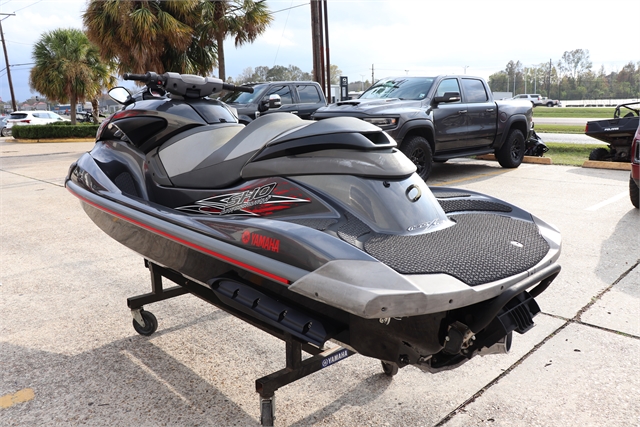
570, 154
577, 112
554, 128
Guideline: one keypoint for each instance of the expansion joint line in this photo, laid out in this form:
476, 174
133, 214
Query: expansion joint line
575, 319
32, 178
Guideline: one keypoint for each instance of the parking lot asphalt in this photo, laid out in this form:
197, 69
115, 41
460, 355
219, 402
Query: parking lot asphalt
69, 355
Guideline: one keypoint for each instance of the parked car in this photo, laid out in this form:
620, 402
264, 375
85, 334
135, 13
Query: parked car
299, 98
551, 102
534, 98
32, 118
434, 119
3, 126
634, 179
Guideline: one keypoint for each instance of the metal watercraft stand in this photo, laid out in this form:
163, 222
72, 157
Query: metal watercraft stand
145, 323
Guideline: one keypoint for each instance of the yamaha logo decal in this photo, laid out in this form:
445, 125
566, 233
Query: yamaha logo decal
260, 241
334, 358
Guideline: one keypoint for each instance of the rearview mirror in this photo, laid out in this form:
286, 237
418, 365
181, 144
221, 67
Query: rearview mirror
119, 94
272, 102
448, 97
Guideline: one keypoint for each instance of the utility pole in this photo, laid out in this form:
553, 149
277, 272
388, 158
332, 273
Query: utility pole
373, 79
320, 45
325, 17
6, 58
549, 85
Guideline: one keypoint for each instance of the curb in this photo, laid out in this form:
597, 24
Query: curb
595, 164
526, 159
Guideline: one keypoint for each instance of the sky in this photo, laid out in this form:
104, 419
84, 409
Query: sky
395, 37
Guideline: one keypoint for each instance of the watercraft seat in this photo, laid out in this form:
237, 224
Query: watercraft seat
214, 158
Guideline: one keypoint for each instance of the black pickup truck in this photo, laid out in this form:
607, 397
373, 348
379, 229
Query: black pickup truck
434, 119
296, 97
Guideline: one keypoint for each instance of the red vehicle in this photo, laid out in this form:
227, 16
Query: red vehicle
634, 179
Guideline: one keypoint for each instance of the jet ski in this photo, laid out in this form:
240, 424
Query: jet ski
318, 232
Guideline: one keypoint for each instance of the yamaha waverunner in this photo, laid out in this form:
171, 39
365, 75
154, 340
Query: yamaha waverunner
314, 231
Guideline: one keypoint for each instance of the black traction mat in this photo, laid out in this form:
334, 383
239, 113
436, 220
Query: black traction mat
479, 248
462, 205
353, 229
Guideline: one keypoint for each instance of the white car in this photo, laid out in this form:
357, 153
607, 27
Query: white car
32, 118
534, 98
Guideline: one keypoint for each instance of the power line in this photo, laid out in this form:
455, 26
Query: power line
283, 30
289, 8
17, 65
32, 4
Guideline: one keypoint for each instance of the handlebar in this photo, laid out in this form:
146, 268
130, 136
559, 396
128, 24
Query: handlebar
234, 88
185, 85
137, 77
149, 77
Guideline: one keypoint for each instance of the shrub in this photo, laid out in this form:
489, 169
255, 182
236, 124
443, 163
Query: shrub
55, 130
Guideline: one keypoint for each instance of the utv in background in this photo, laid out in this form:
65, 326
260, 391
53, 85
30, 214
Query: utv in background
617, 133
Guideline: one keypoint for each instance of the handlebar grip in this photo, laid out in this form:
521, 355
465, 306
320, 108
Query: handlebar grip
138, 77
234, 88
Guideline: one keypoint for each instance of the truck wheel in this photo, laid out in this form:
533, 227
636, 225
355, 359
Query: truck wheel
634, 193
549, 104
418, 150
511, 153
599, 154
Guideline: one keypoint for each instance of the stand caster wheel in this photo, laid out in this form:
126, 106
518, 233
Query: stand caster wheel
389, 369
150, 322
267, 411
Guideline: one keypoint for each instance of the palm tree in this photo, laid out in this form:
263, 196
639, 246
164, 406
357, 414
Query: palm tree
67, 66
150, 35
245, 20
101, 82
184, 36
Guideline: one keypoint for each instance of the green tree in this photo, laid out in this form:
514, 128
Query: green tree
575, 63
335, 74
291, 73
101, 82
67, 67
244, 20
499, 82
152, 35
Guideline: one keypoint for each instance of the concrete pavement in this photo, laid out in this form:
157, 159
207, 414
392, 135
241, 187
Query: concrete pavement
574, 121
69, 355
569, 138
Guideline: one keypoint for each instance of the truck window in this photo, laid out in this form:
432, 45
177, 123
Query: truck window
474, 91
448, 85
308, 94
283, 91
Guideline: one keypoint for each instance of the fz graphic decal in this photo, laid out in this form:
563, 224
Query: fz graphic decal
258, 201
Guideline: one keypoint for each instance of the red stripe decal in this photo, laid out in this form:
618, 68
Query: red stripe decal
184, 242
